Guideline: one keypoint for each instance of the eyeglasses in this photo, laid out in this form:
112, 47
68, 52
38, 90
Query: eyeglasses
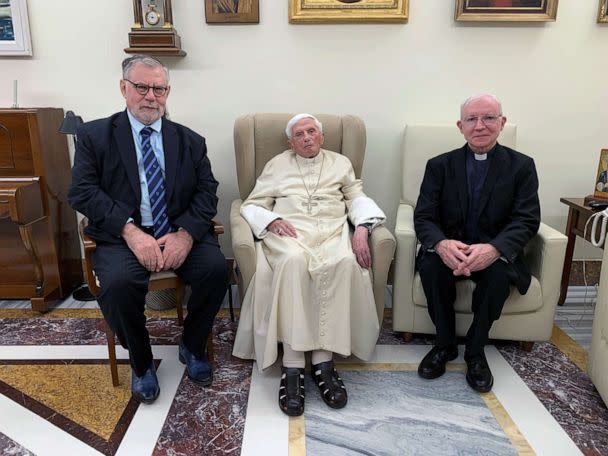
486, 120
143, 89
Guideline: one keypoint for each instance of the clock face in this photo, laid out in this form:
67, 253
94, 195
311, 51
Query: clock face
152, 17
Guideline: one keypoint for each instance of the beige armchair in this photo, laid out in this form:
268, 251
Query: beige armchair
598, 357
258, 138
525, 318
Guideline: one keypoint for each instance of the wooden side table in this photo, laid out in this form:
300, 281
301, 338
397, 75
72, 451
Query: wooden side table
578, 214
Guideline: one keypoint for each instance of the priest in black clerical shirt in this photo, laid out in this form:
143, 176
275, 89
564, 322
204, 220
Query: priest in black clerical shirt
478, 208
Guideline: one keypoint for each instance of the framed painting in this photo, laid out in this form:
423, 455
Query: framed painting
601, 14
323, 11
14, 28
601, 179
232, 11
506, 10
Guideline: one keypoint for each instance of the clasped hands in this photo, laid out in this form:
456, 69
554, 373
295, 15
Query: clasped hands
361, 250
463, 259
167, 252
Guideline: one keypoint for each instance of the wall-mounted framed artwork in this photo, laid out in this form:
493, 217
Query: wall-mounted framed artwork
332, 11
601, 179
232, 11
603, 11
14, 28
506, 10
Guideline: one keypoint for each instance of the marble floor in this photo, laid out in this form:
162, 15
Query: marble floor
56, 398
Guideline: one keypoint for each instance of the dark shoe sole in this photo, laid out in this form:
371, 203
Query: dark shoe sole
140, 398
479, 389
206, 382
437, 374
333, 405
288, 412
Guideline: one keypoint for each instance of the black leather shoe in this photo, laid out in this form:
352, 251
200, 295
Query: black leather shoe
330, 384
433, 364
145, 388
479, 376
291, 391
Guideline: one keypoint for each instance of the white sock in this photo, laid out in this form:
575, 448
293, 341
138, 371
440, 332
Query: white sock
292, 358
321, 356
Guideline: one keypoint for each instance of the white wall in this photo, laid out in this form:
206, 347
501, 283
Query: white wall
550, 77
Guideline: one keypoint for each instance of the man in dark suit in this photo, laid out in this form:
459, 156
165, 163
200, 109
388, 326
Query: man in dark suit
478, 207
146, 185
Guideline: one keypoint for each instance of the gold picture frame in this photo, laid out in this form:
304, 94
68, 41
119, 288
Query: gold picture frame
602, 11
335, 11
232, 11
506, 10
601, 178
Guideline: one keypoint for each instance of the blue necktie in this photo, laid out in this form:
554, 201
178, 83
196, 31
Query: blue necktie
156, 185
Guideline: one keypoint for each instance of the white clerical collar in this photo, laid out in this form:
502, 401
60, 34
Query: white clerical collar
480, 157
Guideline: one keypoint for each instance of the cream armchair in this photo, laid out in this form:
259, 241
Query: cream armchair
258, 138
525, 318
598, 357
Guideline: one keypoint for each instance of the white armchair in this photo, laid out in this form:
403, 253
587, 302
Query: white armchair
598, 357
525, 318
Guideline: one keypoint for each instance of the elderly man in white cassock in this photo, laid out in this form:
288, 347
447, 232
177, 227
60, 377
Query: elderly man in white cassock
312, 288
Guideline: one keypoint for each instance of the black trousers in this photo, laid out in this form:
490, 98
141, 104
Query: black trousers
491, 292
124, 284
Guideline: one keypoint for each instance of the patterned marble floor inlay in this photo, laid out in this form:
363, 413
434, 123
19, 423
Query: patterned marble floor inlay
80, 391
397, 413
189, 420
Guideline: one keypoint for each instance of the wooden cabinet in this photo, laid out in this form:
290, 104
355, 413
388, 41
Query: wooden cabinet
39, 249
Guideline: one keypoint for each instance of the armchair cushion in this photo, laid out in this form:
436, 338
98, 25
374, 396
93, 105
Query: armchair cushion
515, 303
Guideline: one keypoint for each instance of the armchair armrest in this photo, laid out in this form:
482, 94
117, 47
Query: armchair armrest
403, 299
242, 245
216, 228
382, 246
544, 255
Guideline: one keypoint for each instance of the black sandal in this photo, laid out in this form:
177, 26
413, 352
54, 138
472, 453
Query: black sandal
291, 391
330, 384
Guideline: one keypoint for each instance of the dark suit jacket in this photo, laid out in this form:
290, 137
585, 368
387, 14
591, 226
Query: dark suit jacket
509, 210
105, 180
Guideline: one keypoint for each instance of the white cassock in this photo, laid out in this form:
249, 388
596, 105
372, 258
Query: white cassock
309, 291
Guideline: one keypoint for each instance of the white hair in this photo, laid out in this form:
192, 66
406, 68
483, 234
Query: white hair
477, 97
295, 119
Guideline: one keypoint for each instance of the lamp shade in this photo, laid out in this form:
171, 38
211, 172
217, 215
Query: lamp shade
70, 123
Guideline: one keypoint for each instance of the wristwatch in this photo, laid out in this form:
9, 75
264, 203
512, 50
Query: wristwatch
369, 226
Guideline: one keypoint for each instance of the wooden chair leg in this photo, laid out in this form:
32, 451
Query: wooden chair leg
111, 353
210, 347
230, 302
526, 346
179, 305
408, 337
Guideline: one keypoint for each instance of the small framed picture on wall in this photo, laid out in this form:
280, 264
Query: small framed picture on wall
506, 10
602, 11
232, 11
601, 179
14, 28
